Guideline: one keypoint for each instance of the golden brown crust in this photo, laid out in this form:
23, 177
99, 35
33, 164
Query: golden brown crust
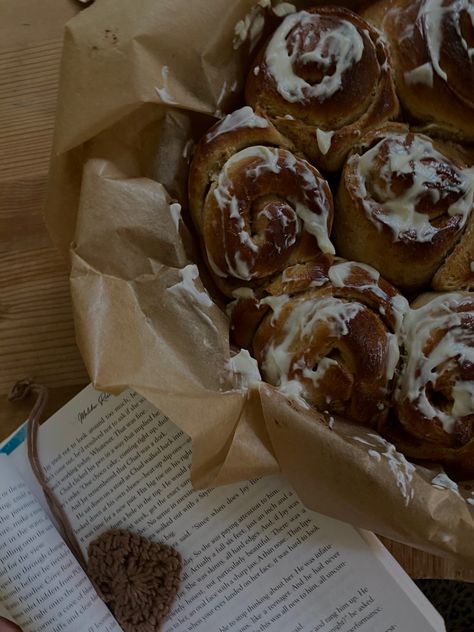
364, 98
257, 207
394, 205
440, 95
457, 272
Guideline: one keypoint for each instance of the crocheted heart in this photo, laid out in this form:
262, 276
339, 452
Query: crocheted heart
137, 579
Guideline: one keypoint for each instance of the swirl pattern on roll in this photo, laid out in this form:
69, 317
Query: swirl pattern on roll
329, 337
402, 205
323, 77
261, 208
433, 55
435, 394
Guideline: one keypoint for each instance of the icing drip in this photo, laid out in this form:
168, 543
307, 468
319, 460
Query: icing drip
323, 365
243, 292
276, 303
245, 368
308, 209
421, 166
175, 211
421, 74
432, 15
442, 481
454, 349
341, 46
324, 140
187, 286
245, 117
251, 26
284, 8
163, 92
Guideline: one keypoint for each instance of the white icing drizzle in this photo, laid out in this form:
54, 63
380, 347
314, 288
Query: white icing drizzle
266, 159
323, 365
375, 455
393, 355
244, 117
163, 92
400, 468
243, 292
245, 368
240, 269
340, 273
276, 303
420, 75
400, 307
463, 399
251, 26
324, 140
399, 212
421, 371
187, 286
299, 326
432, 14
175, 212
442, 481
187, 149
342, 45
283, 9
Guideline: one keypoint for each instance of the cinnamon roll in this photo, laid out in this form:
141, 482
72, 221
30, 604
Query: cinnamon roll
403, 203
323, 79
257, 206
435, 394
328, 334
432, 44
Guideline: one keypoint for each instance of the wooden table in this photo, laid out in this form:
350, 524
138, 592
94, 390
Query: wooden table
36, 326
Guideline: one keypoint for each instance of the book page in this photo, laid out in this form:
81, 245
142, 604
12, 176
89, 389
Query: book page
5, 615
42, 587
254, 558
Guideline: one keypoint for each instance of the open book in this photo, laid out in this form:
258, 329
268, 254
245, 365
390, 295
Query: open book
254, 558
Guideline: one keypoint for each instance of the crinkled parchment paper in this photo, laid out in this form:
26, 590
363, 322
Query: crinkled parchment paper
140, 82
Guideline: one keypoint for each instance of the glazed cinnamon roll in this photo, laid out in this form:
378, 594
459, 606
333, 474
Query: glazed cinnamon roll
323, 79
435, 395
403, 203
432, 44
328, 334
257, 206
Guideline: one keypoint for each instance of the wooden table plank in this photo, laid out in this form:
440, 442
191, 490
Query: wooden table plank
36, 326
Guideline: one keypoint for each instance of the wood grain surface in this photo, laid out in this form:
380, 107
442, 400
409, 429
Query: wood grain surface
36, 325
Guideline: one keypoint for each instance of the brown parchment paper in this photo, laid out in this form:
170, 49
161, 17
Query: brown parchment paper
139, 83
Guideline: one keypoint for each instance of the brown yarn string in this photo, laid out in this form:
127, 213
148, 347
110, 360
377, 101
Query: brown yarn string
137, 579
23, 389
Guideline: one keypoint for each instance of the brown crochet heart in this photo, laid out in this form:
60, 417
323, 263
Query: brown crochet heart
138, 579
